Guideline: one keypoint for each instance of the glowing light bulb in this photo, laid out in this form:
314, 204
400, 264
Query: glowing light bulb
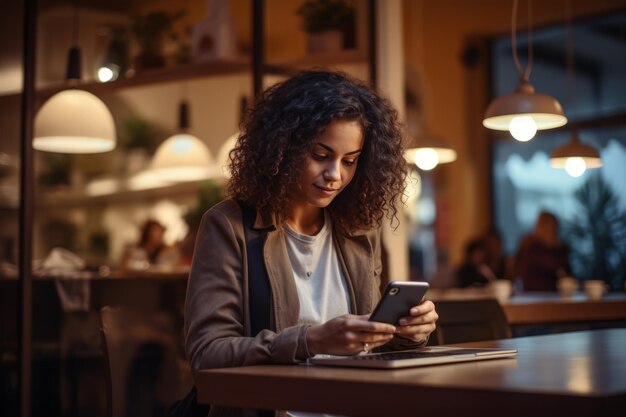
105, 74
426, 159
523, 128
108, 72
575, 166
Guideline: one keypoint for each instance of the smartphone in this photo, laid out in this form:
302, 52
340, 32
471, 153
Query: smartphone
397, 300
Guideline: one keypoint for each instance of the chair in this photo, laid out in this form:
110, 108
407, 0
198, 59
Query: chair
469, 321
145, 371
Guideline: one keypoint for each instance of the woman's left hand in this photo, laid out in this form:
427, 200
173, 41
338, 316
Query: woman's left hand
420, 323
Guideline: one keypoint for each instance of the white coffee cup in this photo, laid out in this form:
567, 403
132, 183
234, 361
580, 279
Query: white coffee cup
595, 289
501, 289
567, 286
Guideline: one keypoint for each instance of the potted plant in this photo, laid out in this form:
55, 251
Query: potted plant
597, 234
137, 140
149, 32
329, 24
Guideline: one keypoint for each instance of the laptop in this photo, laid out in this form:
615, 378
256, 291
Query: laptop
434, 355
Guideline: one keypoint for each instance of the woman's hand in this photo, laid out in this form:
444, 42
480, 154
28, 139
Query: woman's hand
420, 323
348, 335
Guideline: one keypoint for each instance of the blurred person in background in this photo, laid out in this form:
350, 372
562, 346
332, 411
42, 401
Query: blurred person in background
474, 272
151, 251
542, 258
496, 260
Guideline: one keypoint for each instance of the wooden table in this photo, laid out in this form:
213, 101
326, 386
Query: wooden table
571, 374
542, 308
545, 308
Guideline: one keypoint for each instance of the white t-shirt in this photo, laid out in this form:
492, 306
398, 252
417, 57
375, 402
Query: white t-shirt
322, 288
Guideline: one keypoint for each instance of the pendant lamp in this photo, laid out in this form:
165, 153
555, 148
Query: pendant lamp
575, 157
182, 157
524, 111
429, 152
74, 120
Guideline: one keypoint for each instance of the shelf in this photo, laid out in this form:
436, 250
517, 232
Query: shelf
71, 199
153, 76
317, 60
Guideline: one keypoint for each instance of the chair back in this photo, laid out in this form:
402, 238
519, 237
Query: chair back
469, 321
144, 368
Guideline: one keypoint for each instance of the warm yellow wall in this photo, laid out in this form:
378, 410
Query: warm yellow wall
454, 99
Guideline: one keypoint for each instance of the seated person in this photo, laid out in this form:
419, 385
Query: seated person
150, 251
542, 258
495, 259
318, 167
474, 270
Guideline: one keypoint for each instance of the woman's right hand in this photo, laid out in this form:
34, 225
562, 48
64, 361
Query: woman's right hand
348, 335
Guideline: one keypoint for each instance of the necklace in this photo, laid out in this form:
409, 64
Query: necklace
304, 250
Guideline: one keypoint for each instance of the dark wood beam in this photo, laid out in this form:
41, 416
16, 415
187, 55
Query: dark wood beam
25, 316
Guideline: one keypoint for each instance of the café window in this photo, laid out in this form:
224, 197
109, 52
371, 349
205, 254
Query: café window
590, 205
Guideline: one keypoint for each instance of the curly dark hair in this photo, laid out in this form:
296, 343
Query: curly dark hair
279, 132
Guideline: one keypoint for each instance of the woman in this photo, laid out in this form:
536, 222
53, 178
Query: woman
321, 162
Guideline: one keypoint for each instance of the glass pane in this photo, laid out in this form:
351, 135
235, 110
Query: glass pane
526, 184
591, 204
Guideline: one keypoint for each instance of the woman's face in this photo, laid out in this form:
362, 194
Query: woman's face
331, 164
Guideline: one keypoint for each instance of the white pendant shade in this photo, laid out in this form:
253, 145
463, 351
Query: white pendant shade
429, 151
182, 157
575, 152
545, 110
74, 121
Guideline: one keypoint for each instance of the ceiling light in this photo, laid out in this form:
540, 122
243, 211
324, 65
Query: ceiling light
74, 121
182, 157
429, 151
575, 157
524, 111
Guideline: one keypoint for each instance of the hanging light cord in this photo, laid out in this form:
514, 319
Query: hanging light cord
523, 74
570, 53
75, 23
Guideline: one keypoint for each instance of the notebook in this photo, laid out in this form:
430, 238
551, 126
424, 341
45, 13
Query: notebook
418, 357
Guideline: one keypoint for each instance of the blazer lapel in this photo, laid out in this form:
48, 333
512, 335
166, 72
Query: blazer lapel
356, 254
285, 302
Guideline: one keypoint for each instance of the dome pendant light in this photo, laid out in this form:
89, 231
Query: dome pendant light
182, 157
524, 111
575, 157
429, 152
74, 120
426, 150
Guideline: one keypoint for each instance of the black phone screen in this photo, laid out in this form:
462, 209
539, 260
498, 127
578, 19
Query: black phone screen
397, 300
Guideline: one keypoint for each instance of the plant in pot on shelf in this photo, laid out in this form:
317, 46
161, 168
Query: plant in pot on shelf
150, 31
329, 24
137, 143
